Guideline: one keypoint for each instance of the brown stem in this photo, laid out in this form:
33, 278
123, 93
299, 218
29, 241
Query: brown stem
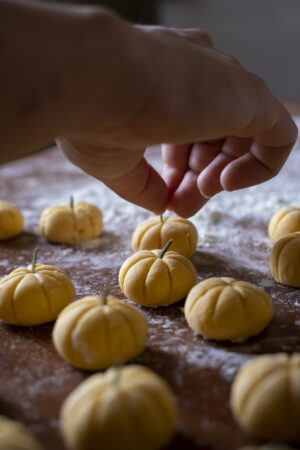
104, 295
161, 219
34, 258
165, 249
117, 369
72, 201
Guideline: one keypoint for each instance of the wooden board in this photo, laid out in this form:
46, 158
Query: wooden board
233, 241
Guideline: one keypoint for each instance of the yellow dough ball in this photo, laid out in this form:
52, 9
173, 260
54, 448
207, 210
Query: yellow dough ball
285, 260
14, 436
265, 397
11, 220
130, 408
71, 223
97, 332
227, 309
285, 221
157, 231
34, 295
157, 277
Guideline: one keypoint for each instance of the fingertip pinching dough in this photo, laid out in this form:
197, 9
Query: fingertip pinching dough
71, 223
284, 221
14, 436
129, 408
35, 294
157, 231
11, 220
157, 277
95, 333
265, 397
227, 309
285, 260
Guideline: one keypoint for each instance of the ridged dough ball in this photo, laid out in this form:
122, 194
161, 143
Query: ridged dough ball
150, 280
92, 335
130, 408
11, 220
14, 436
285, 221
226, 309
154, 233
265, 397
285, 260
68, 224
28, 298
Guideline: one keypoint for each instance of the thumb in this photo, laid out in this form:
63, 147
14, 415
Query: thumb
142, 186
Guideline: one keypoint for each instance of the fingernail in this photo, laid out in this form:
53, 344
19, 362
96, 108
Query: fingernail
207, 197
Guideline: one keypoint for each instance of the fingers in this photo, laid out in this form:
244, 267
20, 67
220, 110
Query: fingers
203, 153
208, 181
254, 167
125, 172
176, 158
192, 172
173, 178
184, 196
210, 177
187, 199
263, 158
230, 164
142, 186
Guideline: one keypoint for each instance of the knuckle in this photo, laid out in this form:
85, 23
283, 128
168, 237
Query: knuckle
205, 36
198, 35
257, 82
231, 59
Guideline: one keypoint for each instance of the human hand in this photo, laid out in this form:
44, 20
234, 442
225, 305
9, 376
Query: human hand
164, 85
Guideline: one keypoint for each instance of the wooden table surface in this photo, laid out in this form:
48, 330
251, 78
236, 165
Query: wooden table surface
233, 241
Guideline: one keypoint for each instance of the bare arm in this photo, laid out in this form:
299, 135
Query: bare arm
106, 90
47, 57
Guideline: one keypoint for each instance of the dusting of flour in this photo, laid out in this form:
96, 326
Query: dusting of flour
233, 241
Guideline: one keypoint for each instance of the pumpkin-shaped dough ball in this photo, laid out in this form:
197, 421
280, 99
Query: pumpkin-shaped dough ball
157, 231
34, 295
14, 436
95, 333
285, 260
130, 408
71, 223
265, 397
227, 309
285, 221
11, 220
157, 277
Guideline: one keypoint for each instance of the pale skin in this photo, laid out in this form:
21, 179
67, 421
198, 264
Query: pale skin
106, 90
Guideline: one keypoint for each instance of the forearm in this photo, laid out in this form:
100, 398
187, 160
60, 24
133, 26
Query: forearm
46, 71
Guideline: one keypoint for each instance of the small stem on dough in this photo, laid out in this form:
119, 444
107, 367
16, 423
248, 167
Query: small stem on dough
72, 201
34, 258
165, 249
104, 295
117, 369
161, 219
